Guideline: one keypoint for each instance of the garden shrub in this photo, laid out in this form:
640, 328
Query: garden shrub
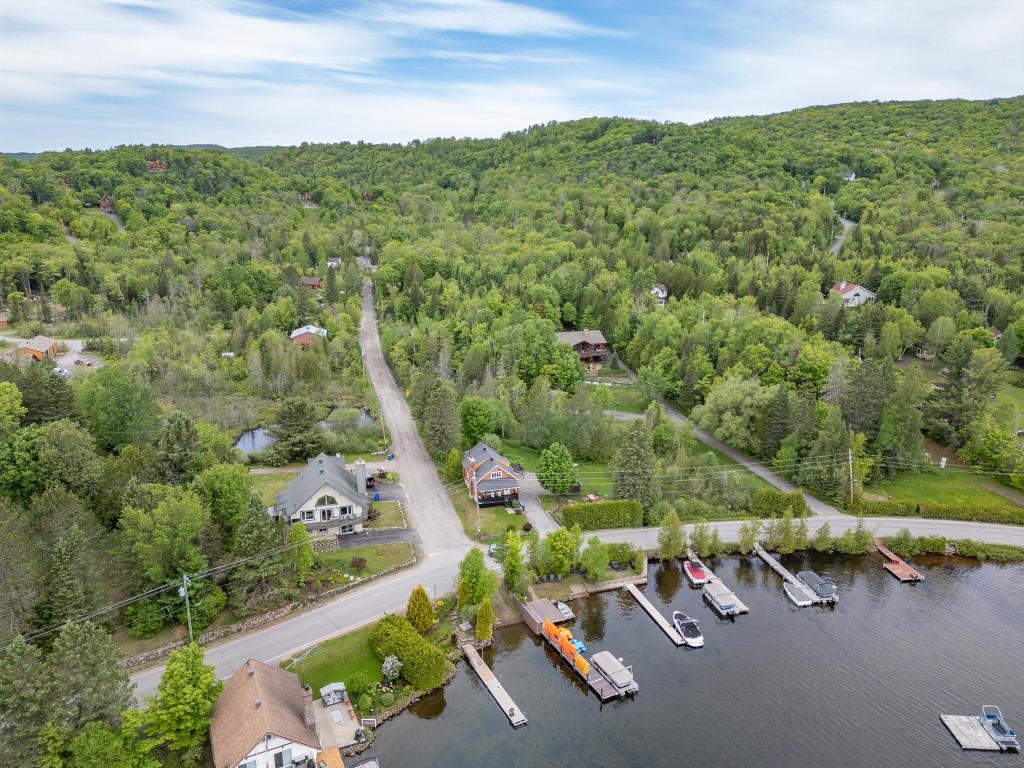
619, 513
358, 563
973, 512
423, 663
364, 702
769, 502
144, 619
387, 699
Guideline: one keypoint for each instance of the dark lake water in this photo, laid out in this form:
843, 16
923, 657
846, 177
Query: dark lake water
860, 684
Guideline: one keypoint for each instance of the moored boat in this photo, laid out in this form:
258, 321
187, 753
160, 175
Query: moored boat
822, 587
695, 572
615, 672
1001, 733
689, 630
579, 645
721, 598
797, 594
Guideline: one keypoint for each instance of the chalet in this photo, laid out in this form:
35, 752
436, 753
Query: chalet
853, 295
106, 205
922, 352
660, 294
849, 176
38, 348
156, 165
589, 345
489, 476
325, 497
333, 262
313, 283
305, 335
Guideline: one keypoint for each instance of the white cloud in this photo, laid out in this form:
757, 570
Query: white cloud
492, 17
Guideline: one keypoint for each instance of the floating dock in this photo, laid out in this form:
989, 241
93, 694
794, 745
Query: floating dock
802, 595
560, 641
739, 605
508, 706
969, 732
654, 613
896, 565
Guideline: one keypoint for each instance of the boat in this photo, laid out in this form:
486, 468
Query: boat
822, 587
992, 720
689, 630
579, 645
565, 610
721, 598
615, 672
798, 594
695, 572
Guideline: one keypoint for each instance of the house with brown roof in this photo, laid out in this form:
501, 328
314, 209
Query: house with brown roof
156, 165
106, 205
589, 345
313, 283
853, 295
263, 718
305, 335
660, 294
38, 347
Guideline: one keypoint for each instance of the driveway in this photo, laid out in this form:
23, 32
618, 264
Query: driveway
73, 350
529, 496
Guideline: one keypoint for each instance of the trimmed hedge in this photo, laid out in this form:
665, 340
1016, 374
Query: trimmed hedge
423, 664
595, 515
973, 512
769, 502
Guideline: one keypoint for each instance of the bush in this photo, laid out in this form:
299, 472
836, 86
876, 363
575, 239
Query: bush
364, 702
356, 684
1001, 553
387, 699
358, 563
144, 619
769, 502
620, 552
973, 512
423, 664
391, 669
620, 513
527, 526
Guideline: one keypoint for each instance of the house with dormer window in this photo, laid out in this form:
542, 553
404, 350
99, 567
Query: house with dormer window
489, 476
325, 497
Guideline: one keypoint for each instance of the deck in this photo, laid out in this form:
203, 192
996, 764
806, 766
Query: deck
896, 565
969, 732
508, 706
787, 575
654, 613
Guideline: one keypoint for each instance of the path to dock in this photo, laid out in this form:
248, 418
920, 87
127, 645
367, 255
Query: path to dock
787, 575
508, 706
741, 607
969, 732
896, 565
661, 621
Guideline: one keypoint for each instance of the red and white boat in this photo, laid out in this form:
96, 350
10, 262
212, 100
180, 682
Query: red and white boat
695, 571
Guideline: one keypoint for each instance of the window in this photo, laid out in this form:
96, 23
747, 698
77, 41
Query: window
283, 758
326, 501
321, 530
496, 474
348, 529
327, 514
309, 514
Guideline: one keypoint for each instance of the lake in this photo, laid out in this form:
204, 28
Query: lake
862, 683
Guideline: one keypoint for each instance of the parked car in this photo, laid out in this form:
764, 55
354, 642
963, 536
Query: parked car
493, 550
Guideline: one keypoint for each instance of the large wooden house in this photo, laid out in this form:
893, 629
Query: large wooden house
489, 476
589, 345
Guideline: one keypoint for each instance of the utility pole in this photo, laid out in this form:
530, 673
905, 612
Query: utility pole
183, 592
476, 498
849, 461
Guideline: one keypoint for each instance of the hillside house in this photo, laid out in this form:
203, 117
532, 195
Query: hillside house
489, 476
106, 205
660, 294
589, 345
265, 718
325, 497
313, 283
156, 165
38, 348
853, 295
307, 334
333, 262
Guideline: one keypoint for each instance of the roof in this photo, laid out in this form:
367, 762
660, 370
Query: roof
321, 470
843, 288
486, 459
312, 280
258, 699
39, 343
660, 288
572, 338
309, 329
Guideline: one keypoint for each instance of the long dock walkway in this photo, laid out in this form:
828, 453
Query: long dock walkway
741, 607
508, 706
896, 565
654, 613
787, 575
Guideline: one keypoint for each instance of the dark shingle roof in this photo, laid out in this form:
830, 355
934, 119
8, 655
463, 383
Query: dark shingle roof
320, 470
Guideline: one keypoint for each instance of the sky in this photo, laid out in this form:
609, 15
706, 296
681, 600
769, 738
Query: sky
96, 73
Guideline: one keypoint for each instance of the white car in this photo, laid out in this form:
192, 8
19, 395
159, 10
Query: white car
493, 550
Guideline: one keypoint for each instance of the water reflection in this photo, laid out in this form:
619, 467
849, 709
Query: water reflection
431, 706
590, 617
668, 578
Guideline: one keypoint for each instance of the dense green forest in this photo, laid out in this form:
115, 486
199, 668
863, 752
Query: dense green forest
181, 270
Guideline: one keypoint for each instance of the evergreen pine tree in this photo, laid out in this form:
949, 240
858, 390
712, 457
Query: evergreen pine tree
441, 420
297, 434
331, 287
485, 620
93, 684
779, 422
688, 394
419, 610
633, 471
27, 702
179, 448
255, 582
64, 598
300, 554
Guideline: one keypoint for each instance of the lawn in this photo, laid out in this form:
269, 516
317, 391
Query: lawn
493, 520
953, 486
379, 557
632, 398
271, 484
338, 659
1010, 405
390, 515
594, 477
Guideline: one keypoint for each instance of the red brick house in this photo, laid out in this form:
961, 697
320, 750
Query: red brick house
589, 345
313, 283
305, 335
39, 347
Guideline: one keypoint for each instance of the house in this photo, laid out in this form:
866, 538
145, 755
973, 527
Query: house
660, 294
853, 295
263, 718
325, 497
849, 176
313, 283
364, 262
333, 262
156, 165
589, 345
38, 347
106, 205
305, 335
923, 353
489, 476
3, 319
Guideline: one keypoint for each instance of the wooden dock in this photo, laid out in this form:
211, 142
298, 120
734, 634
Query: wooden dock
969, 732
654, 613
508, 706
741, 607
896, 565
809, 594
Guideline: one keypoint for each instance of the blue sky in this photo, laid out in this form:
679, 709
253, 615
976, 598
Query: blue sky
91, 73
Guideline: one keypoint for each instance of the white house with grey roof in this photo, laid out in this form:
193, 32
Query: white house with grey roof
325, 497
489, 476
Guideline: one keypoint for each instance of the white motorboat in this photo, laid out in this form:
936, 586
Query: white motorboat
689, 630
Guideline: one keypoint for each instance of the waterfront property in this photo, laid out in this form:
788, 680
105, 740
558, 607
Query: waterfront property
489, 476
497, 690
719, 597
896, 565
325, 497
799, 593
604, 674
654, 613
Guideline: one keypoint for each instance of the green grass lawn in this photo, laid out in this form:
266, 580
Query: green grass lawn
390, 515
594, 477
338, 659
379, 557
493, 520
271, 484
1009, 403
941, 487
630, 399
